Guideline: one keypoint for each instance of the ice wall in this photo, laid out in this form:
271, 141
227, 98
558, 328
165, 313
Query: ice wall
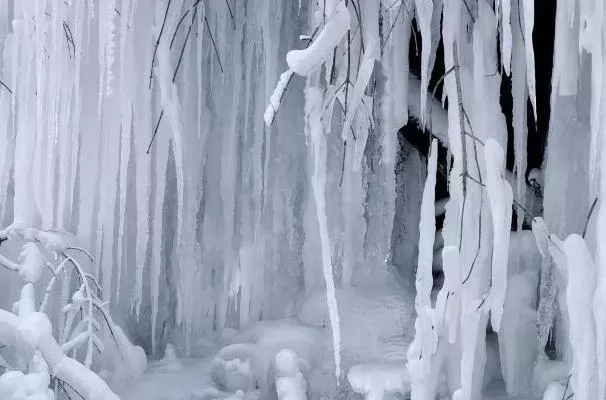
138, 125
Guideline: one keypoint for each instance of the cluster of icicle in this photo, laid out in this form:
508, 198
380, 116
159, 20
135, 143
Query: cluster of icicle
137, 125
343, 102
478, 215
452, 334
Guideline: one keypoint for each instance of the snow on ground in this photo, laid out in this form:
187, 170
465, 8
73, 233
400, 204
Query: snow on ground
275, 360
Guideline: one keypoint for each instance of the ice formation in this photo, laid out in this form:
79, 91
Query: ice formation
229, 162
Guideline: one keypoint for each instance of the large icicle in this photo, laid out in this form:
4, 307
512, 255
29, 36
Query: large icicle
126, 112
500, 196
576, 264
506, 39
315, 132
599, 300
424, 13
528, 6
424, 345
519, 120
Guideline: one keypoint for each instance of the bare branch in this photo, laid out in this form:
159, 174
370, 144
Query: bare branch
193, 19
6, 87
231, 14
151, 71
214, 44
172, 41
589, 214
155, 132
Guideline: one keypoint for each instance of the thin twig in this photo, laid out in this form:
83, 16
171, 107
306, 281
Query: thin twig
231, 14
343, 163
595, 202
347, 79
70, 39
566, 388
392, 25
461, 115
151, 71
155, 132
358, 16
469, 11
82, 251
471, 135
433, 94
193, 19
521, 207
172, 41
343, 109
463, 141
63, 383
520, 23
214, 44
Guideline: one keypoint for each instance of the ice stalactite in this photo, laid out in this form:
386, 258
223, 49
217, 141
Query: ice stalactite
142, 122
519, 94
599, 300
528, 17
501, 198
315, 132
580, 288
424, 17
422, 349
547, 289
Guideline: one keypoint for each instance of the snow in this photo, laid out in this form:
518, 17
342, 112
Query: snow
276, 97
290, 382
281, 250
304, 62
374, 380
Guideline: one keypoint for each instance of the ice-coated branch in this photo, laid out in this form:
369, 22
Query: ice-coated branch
459, 100
304, 62
276, 97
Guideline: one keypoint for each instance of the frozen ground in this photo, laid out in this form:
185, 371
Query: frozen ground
376, 331
194, 382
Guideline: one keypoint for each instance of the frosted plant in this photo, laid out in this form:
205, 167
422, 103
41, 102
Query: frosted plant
29, 330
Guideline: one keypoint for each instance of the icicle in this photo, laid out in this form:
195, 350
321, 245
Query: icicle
426, 335
565, 67
451, 229
126, 112
276, 97
576, 264
520, 96
400, 68
547, 290
424, 13
314, 130
599, 300
530, 76
501, 198
506, 39
591, 16
357, 95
